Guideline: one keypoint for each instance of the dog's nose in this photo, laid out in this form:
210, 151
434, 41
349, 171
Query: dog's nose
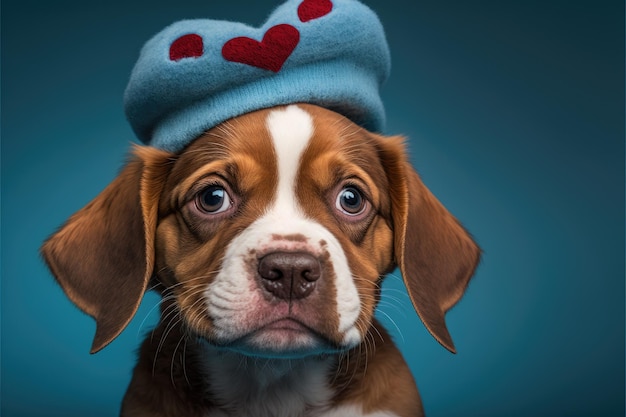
289, 275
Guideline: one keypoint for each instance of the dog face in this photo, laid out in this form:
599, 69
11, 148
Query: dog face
275, 239
268, 235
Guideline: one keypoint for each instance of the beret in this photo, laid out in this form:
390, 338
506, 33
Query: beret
195, 74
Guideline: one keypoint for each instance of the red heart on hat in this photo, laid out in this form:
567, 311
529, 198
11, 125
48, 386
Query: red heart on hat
187, 46
270, 53
313, 9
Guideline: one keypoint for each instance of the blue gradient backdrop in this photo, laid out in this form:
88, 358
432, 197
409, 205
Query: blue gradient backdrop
515, 114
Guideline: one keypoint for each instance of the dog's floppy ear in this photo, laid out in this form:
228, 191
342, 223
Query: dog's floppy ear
103, 256
436, 256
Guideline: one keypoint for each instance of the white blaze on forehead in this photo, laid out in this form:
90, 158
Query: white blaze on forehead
290, 129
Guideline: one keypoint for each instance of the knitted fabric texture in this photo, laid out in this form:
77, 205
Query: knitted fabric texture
196, 74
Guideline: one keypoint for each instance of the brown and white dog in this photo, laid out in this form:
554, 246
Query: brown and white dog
268, 238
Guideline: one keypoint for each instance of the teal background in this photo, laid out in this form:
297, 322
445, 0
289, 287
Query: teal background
515, 114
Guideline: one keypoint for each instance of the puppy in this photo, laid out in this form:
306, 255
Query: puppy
268, 238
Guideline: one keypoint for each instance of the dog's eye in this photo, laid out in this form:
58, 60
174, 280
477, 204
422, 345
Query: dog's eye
350, 201
213, 200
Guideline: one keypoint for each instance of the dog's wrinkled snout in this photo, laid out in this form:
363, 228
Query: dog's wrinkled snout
289, 275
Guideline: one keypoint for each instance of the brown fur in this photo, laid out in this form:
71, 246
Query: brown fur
143, 226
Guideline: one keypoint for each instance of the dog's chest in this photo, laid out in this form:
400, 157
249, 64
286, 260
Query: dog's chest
258, 387
244, 386
340, 411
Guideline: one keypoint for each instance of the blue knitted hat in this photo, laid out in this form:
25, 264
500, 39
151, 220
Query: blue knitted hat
196, 74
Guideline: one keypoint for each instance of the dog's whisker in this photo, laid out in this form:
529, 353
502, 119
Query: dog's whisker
380, 336
397, 291
174, 360
399, 297
164, 334
398, 310
184, 364
195, 316
172, 314
156, 305
341, 359
162, 301
171, 309
393, 322
355, 368
366, 281
364, 353
395, 277
188, 281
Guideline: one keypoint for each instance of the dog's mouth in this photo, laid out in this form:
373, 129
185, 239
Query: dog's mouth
283, 338
286, 326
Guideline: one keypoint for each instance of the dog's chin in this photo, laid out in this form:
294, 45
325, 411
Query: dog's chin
283, 339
